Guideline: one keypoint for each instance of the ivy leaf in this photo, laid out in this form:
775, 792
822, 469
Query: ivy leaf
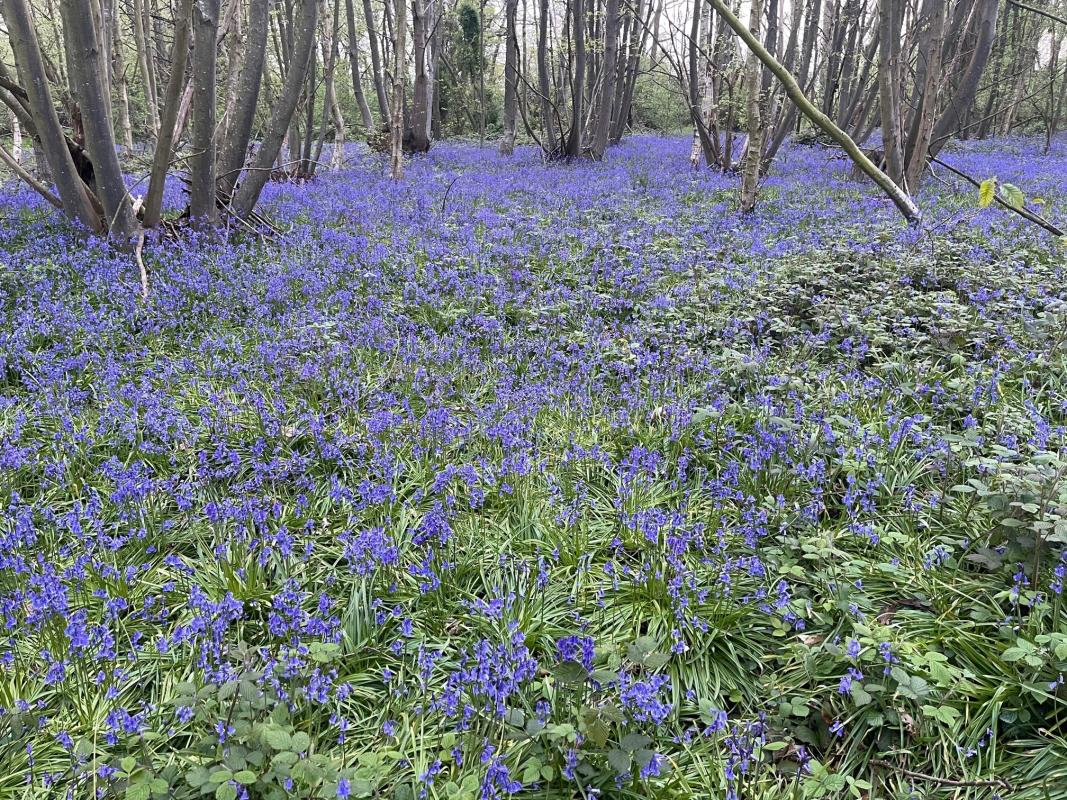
986, 192
1012, 195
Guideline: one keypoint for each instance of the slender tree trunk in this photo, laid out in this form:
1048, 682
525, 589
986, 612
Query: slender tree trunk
242, 116
168, 121
552, 134
434, 22
376, 62
574, 136
141, 38
420, 112
353, 62
396, 124
607, 80
754, 152
890, 14
86, 62
284, 107
16, 138
511, 78
985, 33
202, 208
118, 65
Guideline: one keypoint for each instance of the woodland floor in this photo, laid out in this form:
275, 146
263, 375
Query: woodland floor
556, 481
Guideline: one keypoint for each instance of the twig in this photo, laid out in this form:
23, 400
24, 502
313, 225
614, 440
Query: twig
1000, 782
1040, 11
444, 199
1022, 211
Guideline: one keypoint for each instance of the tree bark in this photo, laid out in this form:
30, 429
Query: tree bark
552, 135
985, 33
168, 120
420, 109
890, 14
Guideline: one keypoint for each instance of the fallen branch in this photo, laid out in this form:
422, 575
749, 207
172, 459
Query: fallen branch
140, 264
998, 782
900, 198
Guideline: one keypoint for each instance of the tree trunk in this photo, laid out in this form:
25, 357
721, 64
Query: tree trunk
754, 152
16, 139
552, 135
284, 108
890, 14
85, 63
141, 38
118, 66
353, 62
396, 122
420, 110
985, 33
202, 208
242, 116
607, 80
574, 136
511, 78
168, 120
376, 62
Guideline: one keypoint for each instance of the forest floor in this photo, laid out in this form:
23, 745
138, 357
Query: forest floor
556, 481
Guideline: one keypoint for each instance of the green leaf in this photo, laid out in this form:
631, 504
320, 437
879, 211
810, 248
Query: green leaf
245, 777
138, 791
301, 742
571, 672
656, 660
986, 192
1012, 195
532, 772
278, 739
619, 760
128, 764
1013, 654
226, 792
634, 741
220, 776
860, 696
